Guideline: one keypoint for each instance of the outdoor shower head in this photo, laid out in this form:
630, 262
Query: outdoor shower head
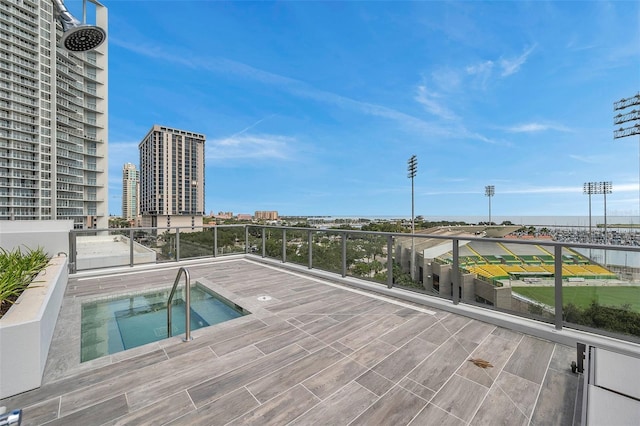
82, 38
77, 36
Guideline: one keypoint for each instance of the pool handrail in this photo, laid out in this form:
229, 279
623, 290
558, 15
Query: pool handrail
187, 301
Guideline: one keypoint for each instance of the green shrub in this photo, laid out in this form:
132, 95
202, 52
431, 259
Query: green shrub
619, 319
17, 270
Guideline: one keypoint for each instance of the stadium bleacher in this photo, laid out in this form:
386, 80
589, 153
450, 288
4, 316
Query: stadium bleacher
500, 262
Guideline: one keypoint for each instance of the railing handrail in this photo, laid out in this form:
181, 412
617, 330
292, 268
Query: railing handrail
187, 301
550, 243
456, 282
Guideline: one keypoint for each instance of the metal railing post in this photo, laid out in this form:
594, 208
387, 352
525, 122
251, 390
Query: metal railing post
246, 239
389, 261
131, 247
558, 286
215, 241
73, 254
284, 246
344, 254
177, 244
455, 272
187, 310
264, 242
310, 244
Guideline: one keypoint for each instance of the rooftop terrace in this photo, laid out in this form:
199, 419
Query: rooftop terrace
317, 352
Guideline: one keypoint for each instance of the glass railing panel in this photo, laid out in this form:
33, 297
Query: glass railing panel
230, 239
102, 249
195, 242
600, 284
420, 277
601, 290
366, 257
255, 240
298, 247
147, 246
167, 244
273, 243
436, 276
524, 279
327, 251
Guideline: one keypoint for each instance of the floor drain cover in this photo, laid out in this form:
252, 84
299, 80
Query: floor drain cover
264, 298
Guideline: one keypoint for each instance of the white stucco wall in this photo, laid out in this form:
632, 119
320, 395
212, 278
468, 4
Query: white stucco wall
27, 329
51, 235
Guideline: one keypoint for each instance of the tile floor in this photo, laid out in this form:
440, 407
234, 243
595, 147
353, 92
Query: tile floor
316, 353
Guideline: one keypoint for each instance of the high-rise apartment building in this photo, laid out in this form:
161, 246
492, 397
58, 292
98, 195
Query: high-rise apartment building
53, 119
172, 178
130, 191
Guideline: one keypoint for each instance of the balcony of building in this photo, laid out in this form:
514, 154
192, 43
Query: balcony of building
341, 332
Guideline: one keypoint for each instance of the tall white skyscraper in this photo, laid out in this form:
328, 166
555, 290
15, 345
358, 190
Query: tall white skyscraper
53, 118
172, 177
130, 191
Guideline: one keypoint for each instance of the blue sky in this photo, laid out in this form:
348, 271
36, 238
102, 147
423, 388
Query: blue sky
313, 108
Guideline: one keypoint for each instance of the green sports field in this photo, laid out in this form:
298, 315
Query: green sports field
583, 296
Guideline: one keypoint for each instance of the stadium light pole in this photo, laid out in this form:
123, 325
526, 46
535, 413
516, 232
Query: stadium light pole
588, 189
489, 191
631, 119
412, 168
606, 189
598, 188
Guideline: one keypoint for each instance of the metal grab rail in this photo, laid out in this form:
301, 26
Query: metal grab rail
187, 301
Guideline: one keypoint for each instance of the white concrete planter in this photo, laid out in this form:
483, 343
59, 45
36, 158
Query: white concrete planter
27, 328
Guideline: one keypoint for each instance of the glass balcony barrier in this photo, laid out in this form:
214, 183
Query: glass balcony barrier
591, 287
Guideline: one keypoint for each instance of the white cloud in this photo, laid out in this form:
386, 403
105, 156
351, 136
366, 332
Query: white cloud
121, 153
593, 159
270, 147
536, 190
562, 189
432, 193
483, 71
448, 80
292, 86
431, 101
544, 190
479, 137
512, 66
152, 51
244, 146
483, 68
536, 127
625, 187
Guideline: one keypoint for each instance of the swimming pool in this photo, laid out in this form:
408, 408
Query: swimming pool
117, 324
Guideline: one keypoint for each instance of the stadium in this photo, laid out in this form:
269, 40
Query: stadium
494, 272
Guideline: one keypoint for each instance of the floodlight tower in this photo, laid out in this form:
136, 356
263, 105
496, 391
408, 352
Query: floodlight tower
631, 119
412, 168
606, 189
589, 188
598, 188
489, 191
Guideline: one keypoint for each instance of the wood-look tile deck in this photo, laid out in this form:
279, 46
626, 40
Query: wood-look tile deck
314, 354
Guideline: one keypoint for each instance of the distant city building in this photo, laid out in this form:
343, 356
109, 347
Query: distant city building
53, 119
223, 215
172, 178
130, 191
266, 215
244, 216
